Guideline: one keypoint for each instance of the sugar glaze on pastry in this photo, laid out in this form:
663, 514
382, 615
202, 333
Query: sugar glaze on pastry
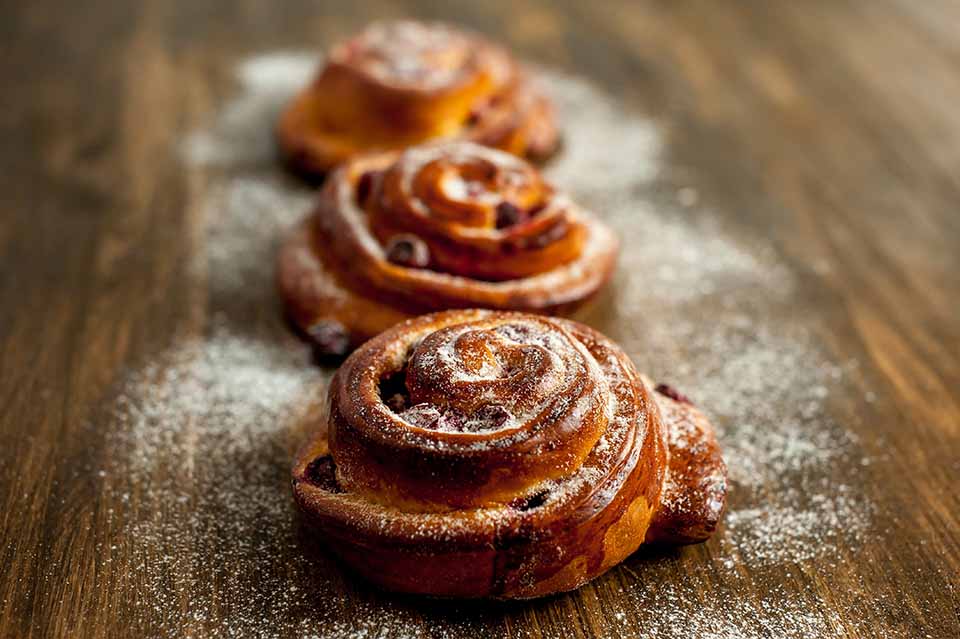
487, 454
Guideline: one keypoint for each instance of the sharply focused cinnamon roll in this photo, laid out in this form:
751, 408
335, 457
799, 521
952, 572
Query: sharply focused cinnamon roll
488, 454
440, 226
397, 84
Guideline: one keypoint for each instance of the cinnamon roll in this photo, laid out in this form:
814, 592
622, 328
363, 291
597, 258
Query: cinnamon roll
440, 226
475, 453
398, 84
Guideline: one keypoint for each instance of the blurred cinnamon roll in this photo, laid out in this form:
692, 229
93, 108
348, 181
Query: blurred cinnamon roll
452, 225
398, 84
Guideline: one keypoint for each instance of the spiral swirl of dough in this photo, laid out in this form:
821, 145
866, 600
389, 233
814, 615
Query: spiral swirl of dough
479, 453
488, 230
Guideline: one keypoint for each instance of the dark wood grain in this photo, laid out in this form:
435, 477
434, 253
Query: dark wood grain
829, 127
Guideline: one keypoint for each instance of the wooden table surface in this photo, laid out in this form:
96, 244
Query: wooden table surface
828, 131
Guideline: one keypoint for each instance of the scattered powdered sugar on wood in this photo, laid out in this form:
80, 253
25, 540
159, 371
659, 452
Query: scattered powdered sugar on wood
624, 152
704, 313
246, 221
204, 435
242, 135
207, 456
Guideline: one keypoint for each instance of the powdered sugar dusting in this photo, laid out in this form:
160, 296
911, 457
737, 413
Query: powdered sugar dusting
242, 134
247, 218
202, 430
634, 158
690, 304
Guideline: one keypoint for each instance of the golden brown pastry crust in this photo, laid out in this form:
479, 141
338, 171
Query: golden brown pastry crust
547, 256
397, 84
487, 454
695, 492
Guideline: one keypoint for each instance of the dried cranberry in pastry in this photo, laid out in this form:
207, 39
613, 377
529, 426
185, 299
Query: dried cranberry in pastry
330, 340
673, 393
452, 422
508, 214
490, 417
322, 472
422, 415
408, 250
535, 500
